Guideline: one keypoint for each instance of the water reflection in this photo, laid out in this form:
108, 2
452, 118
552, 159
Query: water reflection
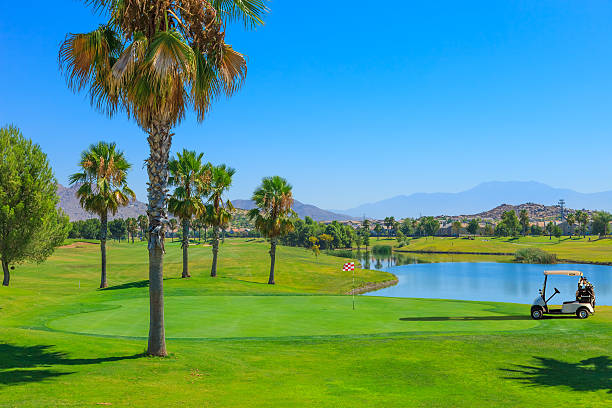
448, 277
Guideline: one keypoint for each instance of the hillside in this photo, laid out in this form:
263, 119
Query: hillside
71, 206
535, 211
302, 210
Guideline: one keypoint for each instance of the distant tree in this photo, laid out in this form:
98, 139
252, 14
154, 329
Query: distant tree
571, 220
407, 226
456, 227
510, 223
188, 176
31, 225
272, 215
429, 226
582, 218
389, 223
358, 241
488, 230
366, 226
557, 232
103, 188
143, 225
173, 223
536, 230
219, 212
377, 230
601, 223
550, 228
473, 226
118, 229
314, 245
327, 239
132, 228
366, 238
524, 221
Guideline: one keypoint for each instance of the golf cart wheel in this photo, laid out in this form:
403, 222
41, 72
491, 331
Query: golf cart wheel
582, 313
537, 313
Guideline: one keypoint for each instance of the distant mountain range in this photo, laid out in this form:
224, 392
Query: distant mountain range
71, 206
480, 198
302, 210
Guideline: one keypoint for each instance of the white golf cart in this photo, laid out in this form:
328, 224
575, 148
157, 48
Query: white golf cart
583, 306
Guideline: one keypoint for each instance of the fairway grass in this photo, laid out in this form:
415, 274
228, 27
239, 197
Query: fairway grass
236, 341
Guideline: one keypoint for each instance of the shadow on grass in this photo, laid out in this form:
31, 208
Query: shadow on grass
137, 284
21, 364
462, 318
593, 374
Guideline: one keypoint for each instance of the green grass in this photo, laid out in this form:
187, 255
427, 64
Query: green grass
572, 249
235, 341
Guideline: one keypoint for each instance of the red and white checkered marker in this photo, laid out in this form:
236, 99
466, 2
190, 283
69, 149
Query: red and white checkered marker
349, 266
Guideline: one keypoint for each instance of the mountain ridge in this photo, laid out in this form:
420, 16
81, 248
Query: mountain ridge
480, 198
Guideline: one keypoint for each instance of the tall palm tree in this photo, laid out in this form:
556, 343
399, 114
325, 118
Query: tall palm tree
188, 175
219, 212
155, 60
132, 228
273, 216
103, 187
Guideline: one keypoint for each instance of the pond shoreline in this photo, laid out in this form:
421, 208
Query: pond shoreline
373, 286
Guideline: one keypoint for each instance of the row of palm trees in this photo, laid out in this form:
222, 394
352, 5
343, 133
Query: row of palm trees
154, 62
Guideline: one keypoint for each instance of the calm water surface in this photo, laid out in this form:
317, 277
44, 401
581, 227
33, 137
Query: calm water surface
487, 281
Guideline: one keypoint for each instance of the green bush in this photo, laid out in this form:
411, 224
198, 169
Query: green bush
534, 256
381, 249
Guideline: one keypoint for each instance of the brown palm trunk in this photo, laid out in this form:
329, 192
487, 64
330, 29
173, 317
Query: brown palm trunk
215, 251
160, 140
103, 227
185, 249
272, 260
7, 274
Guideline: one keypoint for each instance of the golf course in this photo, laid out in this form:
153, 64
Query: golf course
233, 340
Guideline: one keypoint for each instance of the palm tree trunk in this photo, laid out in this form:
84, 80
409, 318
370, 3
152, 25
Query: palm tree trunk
272, 259
160, 141
103, 228
7, 274
185, 249
215, 250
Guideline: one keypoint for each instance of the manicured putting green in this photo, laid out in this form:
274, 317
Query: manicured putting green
290, 316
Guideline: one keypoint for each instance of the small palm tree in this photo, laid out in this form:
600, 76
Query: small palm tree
219, 213
132, 228
188, 175
172, 223
103, 187
273, 216
143, 225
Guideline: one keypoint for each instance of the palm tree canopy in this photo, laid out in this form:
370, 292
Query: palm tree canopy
155, 59
104, 179
219, 212
190, 177
273, 215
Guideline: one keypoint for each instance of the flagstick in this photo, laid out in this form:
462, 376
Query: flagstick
353, 288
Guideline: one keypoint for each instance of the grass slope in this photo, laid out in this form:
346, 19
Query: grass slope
235, 341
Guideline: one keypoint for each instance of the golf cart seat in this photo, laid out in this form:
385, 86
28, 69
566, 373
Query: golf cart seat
569, 301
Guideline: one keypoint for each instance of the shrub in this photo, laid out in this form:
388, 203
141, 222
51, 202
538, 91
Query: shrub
381, 249
535, 256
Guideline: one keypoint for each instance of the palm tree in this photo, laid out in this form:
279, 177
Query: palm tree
172, 223
273, 216
103, 188
571, 220
143, 225
132, 227
154, 61
188, 175
219, 212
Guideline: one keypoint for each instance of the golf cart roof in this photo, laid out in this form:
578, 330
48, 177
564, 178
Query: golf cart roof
568, 273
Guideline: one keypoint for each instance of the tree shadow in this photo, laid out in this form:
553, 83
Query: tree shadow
593, 374
129, 285
21, 364
462, 318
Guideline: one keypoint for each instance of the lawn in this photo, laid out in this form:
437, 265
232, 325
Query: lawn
236, 341
569, 249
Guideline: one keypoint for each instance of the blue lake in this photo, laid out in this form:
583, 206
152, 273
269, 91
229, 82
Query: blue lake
490, 281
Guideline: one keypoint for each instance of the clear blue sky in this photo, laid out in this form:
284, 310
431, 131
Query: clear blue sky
356, 101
